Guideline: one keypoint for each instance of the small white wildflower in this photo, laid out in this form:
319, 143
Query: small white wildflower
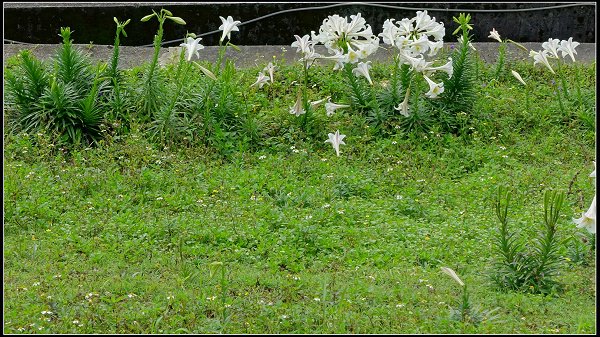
317, 299
262, 157
159, 198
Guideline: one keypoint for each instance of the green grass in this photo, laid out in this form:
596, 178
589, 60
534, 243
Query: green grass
123, 237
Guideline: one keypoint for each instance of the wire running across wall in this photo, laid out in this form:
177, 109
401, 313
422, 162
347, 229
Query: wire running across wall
285, 11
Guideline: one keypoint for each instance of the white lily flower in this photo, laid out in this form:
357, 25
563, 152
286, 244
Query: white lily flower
417, 64
331, 107
192, 46
434, 47
518, 77
262, 80
403, 107
297, 109
368, 48
568, 47
339, 58
447, 68
306, 47
422, 20
228, 26
434, 88
405, 27
336, 140
336, 33
452, 274
420, 45
436, 30
303, 44
362, 69
412, 36
495, 35
390, 31
541, 57
270, 68
352, 56
588, 219
552, 47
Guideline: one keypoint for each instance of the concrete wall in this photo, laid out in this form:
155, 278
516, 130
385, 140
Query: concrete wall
93, 22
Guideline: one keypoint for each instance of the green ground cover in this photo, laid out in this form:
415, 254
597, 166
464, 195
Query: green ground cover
135, 236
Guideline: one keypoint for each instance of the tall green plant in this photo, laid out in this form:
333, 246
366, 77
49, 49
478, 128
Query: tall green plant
116, 100
459, 95
533, 267
152, 93
63, 102
24, 87
71, 66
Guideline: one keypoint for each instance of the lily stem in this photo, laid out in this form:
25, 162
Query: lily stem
562, 79
305, 103
577, 70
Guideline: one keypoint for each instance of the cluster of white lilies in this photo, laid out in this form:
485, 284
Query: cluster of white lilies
351, 42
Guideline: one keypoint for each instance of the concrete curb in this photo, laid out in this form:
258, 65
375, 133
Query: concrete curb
250, 56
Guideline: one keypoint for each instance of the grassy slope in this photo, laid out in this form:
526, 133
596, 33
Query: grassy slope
309, 242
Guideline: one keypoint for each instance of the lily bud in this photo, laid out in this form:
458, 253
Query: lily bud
147, 17
177, 20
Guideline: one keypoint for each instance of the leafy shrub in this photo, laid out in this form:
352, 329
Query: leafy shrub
64, 102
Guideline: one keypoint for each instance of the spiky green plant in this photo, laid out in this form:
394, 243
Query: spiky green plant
63, 102
152, 93
116, 101
459, 90
71, 66
70, 104
529, 268
24, 87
